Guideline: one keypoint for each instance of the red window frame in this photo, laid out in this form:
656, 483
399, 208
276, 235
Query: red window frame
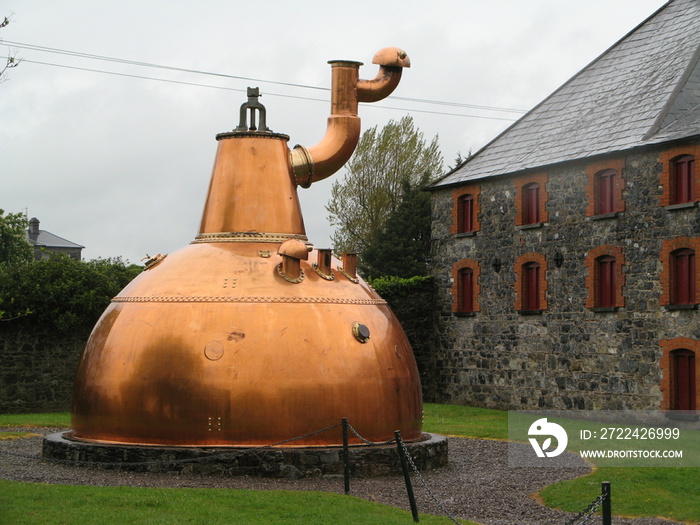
465, 213
465, 290
531, 203
605, 192
683, 179
683, 276
683, 366
606, 282
531, 286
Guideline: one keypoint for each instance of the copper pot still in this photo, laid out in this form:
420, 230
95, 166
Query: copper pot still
250, 336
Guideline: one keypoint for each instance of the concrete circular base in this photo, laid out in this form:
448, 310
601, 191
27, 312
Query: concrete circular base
364, 460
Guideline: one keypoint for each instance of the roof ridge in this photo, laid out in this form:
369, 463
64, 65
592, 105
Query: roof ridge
666, 111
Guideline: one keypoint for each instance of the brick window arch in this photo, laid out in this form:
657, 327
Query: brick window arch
605, 279
465, 209
465, 287
679, 179
679, 381
531, 283
604, 188
679, 276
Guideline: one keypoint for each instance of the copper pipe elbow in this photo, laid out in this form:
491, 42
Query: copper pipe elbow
391, 60
310, 165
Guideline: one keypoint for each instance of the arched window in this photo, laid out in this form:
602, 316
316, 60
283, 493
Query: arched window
531, 203
683, 380
605, 192
465, 213
465, 290
531, 286
683, 179
605, 282
683, 276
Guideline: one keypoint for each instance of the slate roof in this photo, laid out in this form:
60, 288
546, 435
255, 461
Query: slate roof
44, 239
644, 90
49, 240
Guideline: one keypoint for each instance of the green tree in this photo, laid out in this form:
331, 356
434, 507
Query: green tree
401, 247
14, 248
60, 293
371, 188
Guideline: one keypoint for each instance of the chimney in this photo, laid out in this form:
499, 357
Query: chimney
33, 228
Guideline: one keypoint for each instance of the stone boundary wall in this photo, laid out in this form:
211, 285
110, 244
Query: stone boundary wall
37, 369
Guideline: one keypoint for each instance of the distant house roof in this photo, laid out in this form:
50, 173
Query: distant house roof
44, 239
644, 90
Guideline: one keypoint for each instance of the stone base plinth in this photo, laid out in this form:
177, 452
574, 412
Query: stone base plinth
365, 460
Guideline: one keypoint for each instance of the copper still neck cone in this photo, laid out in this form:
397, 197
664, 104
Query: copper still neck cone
252, 188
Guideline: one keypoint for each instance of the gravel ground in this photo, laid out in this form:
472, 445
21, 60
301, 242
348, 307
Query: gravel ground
477, 484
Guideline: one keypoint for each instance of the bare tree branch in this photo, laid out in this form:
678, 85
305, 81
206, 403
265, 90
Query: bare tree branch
11, 60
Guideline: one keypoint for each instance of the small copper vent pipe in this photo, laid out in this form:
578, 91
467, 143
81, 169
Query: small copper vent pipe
343, 130
350, 265
324, 261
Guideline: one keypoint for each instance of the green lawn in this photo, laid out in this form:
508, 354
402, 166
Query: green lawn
31, 503
667, 492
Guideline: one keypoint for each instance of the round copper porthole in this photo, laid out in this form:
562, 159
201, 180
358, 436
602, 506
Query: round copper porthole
361, 332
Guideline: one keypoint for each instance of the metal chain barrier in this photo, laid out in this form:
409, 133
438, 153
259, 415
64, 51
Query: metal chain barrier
367, 442
588, 512
437, 501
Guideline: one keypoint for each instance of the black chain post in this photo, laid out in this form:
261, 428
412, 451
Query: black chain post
346, 456
607, 504
406, 475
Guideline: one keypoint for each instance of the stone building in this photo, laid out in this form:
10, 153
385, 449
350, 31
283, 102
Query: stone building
565, 248
45, 243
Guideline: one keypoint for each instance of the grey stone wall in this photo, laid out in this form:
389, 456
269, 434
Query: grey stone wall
568, 356
37, 369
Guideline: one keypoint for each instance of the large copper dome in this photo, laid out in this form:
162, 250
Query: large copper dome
250, 336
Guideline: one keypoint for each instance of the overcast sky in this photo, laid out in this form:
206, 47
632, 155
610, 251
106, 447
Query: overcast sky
121, 164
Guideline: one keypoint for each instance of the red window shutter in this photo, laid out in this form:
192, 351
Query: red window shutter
684, 376
531, 286
465, 290
683, 276
684, 180
606, 282
531, 203
465, 214
605, 192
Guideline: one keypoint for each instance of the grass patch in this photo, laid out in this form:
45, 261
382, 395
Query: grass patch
665, 492
4, 436
52, 419
463, 421
29, 504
